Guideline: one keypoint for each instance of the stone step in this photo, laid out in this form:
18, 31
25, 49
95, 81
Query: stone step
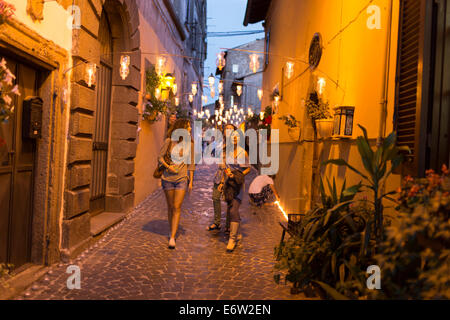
104, 220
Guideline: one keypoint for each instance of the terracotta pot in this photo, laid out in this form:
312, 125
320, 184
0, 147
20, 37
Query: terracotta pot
294, 133
324, 128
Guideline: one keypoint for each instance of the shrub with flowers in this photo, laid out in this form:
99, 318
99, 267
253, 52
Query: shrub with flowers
7, 91
415, 257
6, 11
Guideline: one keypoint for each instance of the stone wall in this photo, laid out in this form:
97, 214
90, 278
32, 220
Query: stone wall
124, 20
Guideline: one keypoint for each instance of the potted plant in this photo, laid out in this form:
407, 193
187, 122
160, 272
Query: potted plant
319, 112
293, 126
158, 97
7, 92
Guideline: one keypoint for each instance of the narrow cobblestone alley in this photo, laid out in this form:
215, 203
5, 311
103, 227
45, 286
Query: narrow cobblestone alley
133, 262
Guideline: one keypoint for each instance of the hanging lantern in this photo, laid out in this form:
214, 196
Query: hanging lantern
261, 115
220, 62
220, 85
260, 94
289, 70
235, 108
174, 88
157, 93
211, 81
249, 111
195, 112
239, 90
177, 101
160, 64
254, 62
194, 89
191, 98
276, 103
343, 122
91, 69
213, 92
124, 66
207, 113
321, 83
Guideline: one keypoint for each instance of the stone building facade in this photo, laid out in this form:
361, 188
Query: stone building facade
94, 159
237, 72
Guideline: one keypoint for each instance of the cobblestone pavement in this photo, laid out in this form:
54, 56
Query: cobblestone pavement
132, 261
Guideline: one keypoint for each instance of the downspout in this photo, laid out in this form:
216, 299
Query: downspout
383, 111
385, 88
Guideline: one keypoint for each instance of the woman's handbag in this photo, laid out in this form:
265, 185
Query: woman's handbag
157, 174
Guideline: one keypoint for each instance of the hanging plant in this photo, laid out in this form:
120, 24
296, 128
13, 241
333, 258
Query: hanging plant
7, 92
6, 11
290, 121
154, 107
316, 108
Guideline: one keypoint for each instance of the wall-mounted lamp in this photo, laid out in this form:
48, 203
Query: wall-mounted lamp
191, 98
343, 122
261, 115
177, 101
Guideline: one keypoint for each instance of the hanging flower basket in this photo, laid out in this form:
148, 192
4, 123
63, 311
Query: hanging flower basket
6, 11
324, 128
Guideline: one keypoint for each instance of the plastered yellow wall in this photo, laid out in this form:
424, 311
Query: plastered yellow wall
353, 65
54, 25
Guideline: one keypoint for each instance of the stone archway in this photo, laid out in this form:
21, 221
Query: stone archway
77, 228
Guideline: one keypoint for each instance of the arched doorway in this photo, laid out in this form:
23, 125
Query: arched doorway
102, 118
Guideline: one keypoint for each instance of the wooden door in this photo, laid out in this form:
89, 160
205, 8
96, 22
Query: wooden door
17, 157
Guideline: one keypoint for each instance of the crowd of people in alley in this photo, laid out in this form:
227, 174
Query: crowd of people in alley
176, 171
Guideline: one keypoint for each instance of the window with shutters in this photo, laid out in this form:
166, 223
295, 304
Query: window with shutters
408, 75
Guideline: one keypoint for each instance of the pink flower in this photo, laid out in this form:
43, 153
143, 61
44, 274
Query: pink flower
15, 90
7, 99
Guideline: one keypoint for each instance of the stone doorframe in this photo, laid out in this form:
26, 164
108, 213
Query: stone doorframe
124, 22
28, 46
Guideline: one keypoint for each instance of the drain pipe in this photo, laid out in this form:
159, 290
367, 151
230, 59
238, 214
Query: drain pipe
385, 89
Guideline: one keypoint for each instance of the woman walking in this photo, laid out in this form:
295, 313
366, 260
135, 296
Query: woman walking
177, 175
219, 180
237, 167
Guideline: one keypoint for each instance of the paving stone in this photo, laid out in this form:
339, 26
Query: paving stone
133, 262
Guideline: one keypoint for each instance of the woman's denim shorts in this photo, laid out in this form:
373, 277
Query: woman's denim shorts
169, 185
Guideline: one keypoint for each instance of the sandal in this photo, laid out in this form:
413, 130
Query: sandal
213, 227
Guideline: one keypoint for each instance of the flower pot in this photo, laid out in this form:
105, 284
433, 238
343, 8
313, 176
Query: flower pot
294, 133
324, 128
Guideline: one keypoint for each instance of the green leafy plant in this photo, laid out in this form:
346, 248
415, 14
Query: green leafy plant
379, 165
316, 108
415, 257
290, 121
154, 107
330, 247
